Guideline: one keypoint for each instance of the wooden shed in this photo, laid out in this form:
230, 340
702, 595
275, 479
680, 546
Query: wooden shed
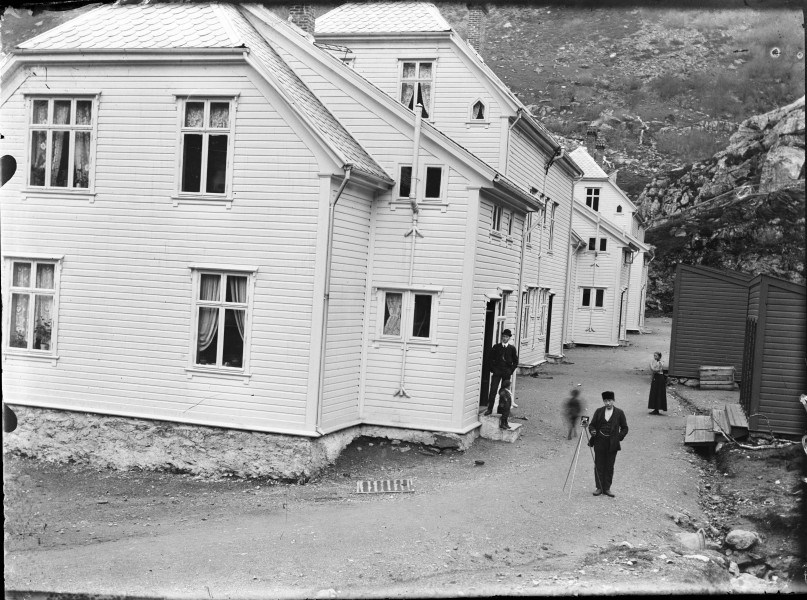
774, 356
708, 320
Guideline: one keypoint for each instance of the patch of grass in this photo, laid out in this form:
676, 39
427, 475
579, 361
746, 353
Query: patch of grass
668, 86
692, 146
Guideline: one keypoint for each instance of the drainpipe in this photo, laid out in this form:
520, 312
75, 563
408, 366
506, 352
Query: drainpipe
414, 232
569, 312
327, 296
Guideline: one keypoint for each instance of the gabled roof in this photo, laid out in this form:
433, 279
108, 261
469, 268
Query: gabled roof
338, 68
610, 228
141, 26
203, 26
587, 163
382, 17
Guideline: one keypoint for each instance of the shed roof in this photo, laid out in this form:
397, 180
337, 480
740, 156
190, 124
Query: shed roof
734, 276
202, 26
382, 17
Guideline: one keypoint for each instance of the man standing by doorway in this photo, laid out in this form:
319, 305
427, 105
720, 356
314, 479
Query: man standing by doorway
503, 363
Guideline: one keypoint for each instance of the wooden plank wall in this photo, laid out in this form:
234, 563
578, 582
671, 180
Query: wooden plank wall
125, 309
709, 322
779, 377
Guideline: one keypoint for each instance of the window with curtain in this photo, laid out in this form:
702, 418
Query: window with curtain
221, 309
60, 142
206, 132
33, 305
478, 111
417, 85
408, 315
551, 235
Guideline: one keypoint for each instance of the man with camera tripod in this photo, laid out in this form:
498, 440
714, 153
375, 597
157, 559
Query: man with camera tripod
608, 427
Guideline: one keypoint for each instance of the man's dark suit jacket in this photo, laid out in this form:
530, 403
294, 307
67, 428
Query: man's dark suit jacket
618, 427
503, 359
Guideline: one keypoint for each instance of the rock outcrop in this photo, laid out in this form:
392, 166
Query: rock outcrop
741, 210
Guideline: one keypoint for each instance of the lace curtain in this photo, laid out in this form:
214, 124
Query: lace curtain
208, 317
238, 293
392, 314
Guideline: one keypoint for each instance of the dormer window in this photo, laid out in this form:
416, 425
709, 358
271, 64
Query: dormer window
416, 85
478, 111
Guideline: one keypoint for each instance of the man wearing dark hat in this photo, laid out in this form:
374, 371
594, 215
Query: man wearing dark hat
503, 362
608, 427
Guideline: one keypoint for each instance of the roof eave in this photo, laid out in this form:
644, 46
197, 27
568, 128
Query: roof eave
402, 35
509, 192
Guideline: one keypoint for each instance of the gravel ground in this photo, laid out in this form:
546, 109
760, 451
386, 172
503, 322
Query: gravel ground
505, 527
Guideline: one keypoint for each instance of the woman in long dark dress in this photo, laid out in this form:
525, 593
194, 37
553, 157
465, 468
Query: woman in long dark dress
658, 386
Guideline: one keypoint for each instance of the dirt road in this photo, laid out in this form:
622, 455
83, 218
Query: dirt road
504, 527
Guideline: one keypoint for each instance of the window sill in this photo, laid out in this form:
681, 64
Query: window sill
218, 372
589, 309
469, 124
26, 355
202, 200
388, 342
434, 204
30, 192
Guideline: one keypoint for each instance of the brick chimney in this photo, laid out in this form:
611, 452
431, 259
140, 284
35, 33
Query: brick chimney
302, 15
599, 150
476, 24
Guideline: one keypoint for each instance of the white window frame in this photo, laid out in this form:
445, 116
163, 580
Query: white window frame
206, 131
196, 277
593, 198
429, 116
420, 183
497, 218
32, 291
525, 315
543, 303
511, 217
485, 120
443, 179
72, 128
407, 315
597, 245
592, 305
501, 316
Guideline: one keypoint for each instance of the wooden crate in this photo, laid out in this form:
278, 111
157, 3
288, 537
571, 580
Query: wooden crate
717, 378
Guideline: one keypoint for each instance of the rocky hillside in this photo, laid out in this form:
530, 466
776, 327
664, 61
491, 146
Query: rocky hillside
743, 209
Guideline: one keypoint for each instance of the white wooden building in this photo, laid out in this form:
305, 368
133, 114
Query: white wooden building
610, 264
409, 51
216, 222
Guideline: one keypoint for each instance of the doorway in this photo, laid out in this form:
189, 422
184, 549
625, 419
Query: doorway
490, 325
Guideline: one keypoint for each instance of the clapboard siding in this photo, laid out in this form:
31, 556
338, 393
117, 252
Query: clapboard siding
346, 311
429, 373
778, 378
125, 288
456, 88
708, 320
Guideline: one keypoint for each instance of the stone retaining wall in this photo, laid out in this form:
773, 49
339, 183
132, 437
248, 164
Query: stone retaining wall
124, 443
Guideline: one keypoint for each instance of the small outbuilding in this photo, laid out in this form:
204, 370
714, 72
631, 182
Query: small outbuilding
774, 358
708, 320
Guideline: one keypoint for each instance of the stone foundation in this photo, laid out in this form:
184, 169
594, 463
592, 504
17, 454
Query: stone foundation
125, 443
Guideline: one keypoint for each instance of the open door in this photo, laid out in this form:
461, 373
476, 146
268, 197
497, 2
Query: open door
490, 324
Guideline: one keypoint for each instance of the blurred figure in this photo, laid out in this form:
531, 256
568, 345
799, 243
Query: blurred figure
572, 410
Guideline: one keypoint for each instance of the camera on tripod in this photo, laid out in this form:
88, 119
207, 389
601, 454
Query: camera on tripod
584, 421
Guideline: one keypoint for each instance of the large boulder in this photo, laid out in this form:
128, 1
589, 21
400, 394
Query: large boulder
739, 539
781, 168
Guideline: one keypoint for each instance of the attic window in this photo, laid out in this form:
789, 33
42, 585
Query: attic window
478, 111
416, 85
593, 198
619, 208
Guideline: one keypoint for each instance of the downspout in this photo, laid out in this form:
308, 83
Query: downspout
507, 154
327, 297
414, 232
569, 302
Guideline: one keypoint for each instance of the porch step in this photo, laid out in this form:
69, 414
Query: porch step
490, 430
699, 431
737, 421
